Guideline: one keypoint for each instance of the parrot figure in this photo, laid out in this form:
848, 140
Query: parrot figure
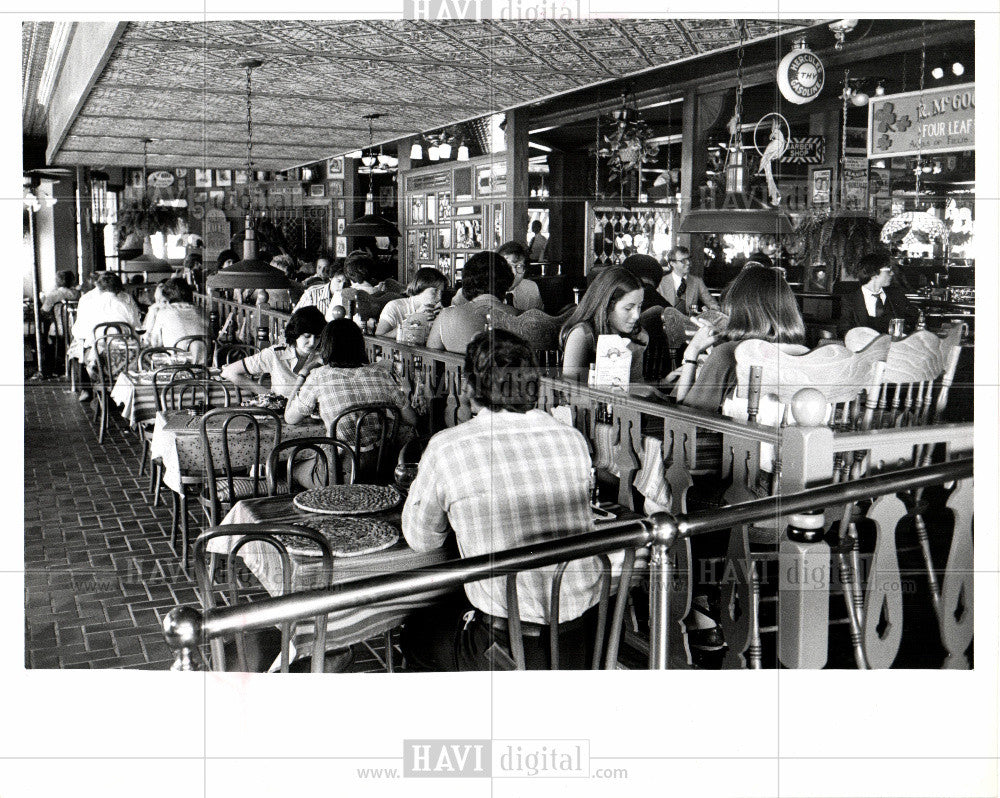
774, 150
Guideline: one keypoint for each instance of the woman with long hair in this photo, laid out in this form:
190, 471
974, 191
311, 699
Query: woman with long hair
760, 305
611, 306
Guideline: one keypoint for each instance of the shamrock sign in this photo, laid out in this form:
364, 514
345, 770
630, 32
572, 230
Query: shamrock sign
887, 122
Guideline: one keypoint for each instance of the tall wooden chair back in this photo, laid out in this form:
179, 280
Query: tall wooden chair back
236, 442
603, 633
333, 463
250, 653
771, 375
369, 428
919, 371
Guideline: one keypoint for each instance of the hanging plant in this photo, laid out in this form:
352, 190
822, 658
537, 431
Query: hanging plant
838, 239
628, 147
144, 217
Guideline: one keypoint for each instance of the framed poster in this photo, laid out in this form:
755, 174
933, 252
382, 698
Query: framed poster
468, 234
444, 238
416, 210
411, 247
335, 168
444, 206
217, 198
339, 207
431, 208
341, 224
317, 190
498, 238
820, 186
444, 264
386, 197
241, 177
182, 172
855, 183
340, 249
425, 248
336, 188
223, 177
202, 178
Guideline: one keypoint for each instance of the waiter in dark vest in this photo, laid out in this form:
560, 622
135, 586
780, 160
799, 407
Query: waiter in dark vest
876, 302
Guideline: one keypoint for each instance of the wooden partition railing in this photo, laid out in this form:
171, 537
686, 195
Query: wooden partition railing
188, 630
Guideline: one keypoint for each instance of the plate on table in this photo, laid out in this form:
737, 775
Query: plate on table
348, 537
348, 499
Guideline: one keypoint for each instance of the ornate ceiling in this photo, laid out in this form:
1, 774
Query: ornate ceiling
178, 83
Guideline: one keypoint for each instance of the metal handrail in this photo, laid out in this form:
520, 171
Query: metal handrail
185, 628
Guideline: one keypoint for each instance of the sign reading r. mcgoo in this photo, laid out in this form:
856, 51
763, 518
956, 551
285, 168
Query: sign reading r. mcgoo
934, 120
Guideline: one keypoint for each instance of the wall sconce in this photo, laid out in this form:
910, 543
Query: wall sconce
463, 153
433, 154
416, 152
307, 174
840, 30
444, 150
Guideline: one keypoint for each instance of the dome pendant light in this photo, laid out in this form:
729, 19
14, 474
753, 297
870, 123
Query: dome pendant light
371, 224
251, 272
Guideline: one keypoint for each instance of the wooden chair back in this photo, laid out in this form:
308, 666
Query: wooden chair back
602, 634
237, 448
267, 534
200, 346
368, 428
919, 371
769, 376
334, 461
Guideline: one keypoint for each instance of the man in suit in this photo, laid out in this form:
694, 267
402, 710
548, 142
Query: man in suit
876, 301
682, 290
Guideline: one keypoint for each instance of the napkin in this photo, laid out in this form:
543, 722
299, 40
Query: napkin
651, 480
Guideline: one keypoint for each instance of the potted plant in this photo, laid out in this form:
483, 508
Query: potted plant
837, 239
140, 219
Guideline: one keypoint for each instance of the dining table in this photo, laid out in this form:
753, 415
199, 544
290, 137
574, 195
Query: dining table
135, 393
345, 627
177, 441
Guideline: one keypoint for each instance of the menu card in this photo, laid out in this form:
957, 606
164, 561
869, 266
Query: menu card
613, 364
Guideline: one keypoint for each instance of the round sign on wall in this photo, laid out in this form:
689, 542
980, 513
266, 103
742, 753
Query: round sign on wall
161, 179
800, 75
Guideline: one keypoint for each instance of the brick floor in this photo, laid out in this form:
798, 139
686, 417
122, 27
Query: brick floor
99, 571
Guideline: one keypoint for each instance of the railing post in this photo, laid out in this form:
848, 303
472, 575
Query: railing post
664, 534
182, 628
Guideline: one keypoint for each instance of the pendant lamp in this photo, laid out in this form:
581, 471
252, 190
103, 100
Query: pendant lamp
371, 224
251, 272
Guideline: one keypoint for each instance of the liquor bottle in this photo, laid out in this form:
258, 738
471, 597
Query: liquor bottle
804, 592
921, 321
576, 296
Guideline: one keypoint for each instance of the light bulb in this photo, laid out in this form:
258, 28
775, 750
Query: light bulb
416, 153
859, 98
463, 153
445, 150
880, 89
368, 160
937, 73
957, 68
433, 154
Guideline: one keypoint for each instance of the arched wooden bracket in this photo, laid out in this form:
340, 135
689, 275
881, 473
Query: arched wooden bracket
957, 618
883, 606
737, 600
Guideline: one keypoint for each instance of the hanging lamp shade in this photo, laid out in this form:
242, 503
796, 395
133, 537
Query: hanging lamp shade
371, 224
146, 263
762, 222
251, 272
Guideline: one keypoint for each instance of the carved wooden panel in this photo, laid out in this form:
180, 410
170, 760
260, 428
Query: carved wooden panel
957, 594
883, 613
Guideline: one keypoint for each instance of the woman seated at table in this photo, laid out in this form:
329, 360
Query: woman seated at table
178, 319
759, 304
344, 378
284, 363
423, 300
611, 306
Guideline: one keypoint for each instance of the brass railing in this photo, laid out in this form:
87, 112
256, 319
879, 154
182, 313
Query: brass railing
187, 629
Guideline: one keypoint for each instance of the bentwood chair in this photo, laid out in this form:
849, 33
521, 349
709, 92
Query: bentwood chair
232, 353
198, 394
200, 346
149, 356
371, 429
605, 633
114, 354
254, 651
332, 463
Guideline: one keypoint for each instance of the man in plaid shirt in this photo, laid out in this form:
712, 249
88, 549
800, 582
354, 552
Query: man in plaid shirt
509, 477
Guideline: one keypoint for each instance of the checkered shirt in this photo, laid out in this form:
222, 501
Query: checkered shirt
333, 390
502, 480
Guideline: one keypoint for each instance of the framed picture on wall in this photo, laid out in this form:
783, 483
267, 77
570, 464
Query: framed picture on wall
431, 208
339, 207
468, 234
411, 247
341, 224
317, 190
336, 188
444, 238
820, 186
444, 206
416, 210
202, 178
340, 249
241, 177
386, 198
444, 264
335, 168
498, 238
217, 198
223, 177
425, 248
